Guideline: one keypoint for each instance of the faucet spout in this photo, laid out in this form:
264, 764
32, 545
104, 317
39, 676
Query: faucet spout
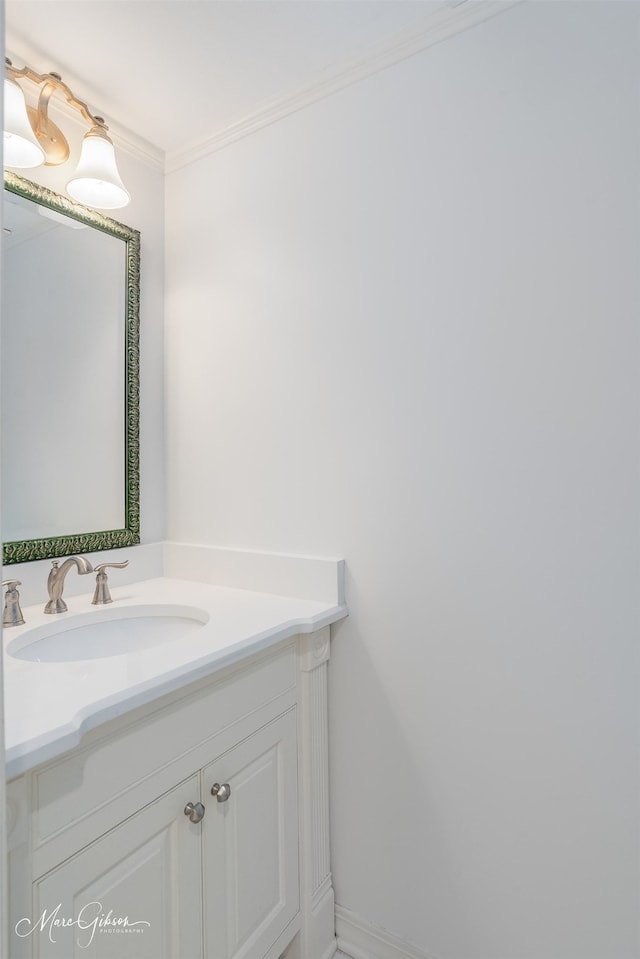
55, 582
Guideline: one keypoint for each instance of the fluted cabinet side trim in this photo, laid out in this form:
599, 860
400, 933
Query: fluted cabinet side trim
317, 934
317, 681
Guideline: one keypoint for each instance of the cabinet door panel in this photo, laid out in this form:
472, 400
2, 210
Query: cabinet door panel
250, 844
147, 870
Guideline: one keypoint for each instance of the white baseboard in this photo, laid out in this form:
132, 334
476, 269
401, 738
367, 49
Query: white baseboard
359, 939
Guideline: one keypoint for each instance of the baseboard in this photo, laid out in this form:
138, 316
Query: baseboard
359, 939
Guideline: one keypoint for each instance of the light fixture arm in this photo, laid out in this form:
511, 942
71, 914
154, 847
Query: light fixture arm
53, 83
32, 138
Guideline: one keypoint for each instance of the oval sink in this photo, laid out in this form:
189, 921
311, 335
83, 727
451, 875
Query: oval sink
110, 632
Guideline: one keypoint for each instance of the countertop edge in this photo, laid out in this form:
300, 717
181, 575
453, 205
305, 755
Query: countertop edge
25, 756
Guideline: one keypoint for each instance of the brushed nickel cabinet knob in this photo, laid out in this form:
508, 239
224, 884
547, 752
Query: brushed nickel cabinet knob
195, 812
221, 793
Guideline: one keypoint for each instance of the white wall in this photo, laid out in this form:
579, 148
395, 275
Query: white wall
144, 213
402, 327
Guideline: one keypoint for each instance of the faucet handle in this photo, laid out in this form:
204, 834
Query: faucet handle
12, 614
102, 594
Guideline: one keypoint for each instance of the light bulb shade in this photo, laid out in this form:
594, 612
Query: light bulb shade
21, 149
96, 181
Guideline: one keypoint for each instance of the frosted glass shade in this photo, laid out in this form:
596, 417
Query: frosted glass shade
96, 181
21, 149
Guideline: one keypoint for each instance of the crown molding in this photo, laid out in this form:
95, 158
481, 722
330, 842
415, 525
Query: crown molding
437, 26
128, 142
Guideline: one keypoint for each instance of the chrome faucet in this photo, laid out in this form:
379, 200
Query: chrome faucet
55, 582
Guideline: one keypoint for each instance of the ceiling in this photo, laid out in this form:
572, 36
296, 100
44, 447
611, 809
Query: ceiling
179, 72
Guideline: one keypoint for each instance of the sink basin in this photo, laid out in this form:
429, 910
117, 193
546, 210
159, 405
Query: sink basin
107, 632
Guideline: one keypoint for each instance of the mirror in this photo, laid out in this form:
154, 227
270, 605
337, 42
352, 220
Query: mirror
69, 377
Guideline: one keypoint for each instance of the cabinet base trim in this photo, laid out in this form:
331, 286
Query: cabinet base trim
328, 953
317, 938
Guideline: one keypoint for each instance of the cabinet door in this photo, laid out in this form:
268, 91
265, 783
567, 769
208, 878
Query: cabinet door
250, 844
145, 871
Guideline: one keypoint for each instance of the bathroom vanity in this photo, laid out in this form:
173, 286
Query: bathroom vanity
172, 800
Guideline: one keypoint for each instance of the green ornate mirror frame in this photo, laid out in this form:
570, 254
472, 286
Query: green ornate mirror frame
66, 543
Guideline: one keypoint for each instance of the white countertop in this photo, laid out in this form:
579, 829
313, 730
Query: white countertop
50, 705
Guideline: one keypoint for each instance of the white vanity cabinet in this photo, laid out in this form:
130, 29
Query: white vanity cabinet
250, 844
119, 848
144, 869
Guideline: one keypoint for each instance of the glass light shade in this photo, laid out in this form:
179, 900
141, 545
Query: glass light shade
97, 182
21, 149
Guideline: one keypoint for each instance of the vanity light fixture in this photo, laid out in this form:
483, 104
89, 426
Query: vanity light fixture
31, 139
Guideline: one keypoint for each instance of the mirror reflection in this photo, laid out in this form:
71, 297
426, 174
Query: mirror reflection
69, 377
